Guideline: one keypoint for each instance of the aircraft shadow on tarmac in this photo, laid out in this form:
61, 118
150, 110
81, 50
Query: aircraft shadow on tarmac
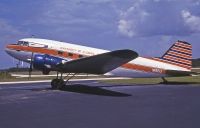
85, 89
80, 88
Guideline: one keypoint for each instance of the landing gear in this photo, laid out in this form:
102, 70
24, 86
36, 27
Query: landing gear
59, 83
164, 80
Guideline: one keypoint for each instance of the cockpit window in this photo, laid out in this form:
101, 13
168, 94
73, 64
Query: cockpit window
20, 42
23, 43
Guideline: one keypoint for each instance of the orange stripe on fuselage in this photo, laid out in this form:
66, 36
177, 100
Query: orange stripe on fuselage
143, 68
42, 51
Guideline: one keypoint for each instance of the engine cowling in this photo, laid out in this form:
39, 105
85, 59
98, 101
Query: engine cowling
46, 63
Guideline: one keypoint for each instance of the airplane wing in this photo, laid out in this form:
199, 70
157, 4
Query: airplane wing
98, 64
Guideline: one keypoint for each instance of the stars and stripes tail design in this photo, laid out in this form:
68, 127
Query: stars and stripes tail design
179, 53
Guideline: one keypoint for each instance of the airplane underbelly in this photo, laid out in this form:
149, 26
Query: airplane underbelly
134, 73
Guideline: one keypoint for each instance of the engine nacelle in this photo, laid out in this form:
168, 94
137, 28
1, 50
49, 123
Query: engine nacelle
46, 63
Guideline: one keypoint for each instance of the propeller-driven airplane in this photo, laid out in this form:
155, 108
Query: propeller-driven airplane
49, 55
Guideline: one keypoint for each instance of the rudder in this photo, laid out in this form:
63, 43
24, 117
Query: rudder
180, 53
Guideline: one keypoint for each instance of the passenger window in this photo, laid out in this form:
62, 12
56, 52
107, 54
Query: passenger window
70, 54
26, 43
80, 56
20, 42
60, 52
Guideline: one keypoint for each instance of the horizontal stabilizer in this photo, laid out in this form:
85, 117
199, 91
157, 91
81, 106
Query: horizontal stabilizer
98, 64
180, 73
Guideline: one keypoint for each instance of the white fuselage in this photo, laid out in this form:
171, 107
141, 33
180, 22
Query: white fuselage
138, 67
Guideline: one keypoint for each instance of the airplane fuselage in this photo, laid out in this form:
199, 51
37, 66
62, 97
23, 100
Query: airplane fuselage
139, 67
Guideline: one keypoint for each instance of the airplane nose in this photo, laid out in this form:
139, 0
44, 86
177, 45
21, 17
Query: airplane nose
17, 54
8, 51
12, 53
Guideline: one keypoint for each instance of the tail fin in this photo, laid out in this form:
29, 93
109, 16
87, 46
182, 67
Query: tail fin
180, 53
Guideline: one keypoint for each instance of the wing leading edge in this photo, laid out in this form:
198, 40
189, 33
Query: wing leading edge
98, 64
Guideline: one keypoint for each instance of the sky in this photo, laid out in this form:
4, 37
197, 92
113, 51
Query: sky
148, 27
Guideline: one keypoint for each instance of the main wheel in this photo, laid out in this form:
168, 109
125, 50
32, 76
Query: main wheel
54, 83
57, 83
60, 84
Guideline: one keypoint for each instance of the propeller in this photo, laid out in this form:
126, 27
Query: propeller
31, 66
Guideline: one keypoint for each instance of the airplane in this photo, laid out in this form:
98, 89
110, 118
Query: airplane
50, 55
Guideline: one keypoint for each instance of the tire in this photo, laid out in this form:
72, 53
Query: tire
60, 84
57, 84
54, 83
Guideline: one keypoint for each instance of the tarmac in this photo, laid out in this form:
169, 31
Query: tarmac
92, 104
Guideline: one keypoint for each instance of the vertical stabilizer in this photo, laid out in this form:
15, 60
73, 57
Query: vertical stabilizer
180, 53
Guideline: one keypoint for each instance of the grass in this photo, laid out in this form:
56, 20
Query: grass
6, 77
146, 81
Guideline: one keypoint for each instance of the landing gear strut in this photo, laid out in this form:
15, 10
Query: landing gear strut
59, 83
